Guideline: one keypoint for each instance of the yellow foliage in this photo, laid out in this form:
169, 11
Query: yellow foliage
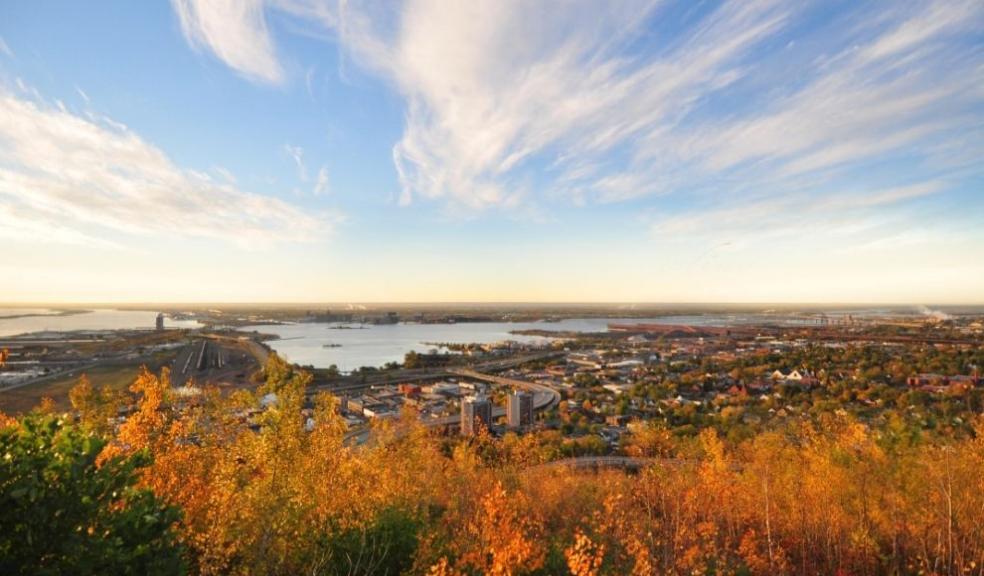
584, 557
279, 490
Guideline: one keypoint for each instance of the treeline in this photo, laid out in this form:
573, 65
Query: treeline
233, 485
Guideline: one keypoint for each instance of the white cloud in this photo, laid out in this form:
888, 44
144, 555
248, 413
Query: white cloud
499, 85
80, 180
24, 225
225, 174
236, 32
839, 221
5, 49
615, 101
321, 184
879, 97
296, 154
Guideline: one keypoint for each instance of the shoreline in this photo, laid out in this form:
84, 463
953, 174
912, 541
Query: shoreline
54, 314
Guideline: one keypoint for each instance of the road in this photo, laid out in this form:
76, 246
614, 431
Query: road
51, 376
544, 397
390, 377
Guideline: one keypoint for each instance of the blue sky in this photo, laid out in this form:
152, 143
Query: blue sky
308, 150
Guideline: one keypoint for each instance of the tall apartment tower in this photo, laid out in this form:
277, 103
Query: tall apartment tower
160, 321
476, 411
519, 409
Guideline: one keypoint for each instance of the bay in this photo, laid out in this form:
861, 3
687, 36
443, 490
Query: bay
44, 320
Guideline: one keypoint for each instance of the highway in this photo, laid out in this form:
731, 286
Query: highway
387, 378
544, 397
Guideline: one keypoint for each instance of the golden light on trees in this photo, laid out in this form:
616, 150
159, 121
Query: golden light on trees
273, 487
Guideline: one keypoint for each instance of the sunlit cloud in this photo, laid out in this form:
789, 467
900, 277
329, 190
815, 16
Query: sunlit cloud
788, 216
235, 31
80, 180
590, 103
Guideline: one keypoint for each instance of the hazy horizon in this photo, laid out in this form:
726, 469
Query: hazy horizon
545, 303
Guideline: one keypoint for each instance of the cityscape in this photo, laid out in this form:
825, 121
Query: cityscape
422, 287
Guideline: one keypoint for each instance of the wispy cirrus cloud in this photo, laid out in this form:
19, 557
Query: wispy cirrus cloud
623, 100
5, 49
898, 87
321, 185
296, 154
235, 31
84, 180
791, 214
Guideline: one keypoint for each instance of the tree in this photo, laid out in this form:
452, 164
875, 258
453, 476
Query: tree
63, 514
95, 409
584, 557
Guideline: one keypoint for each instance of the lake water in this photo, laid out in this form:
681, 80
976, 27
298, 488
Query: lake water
100, 319
375, 345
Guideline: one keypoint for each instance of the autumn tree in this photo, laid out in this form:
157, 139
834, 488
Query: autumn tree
95, 408
584, 557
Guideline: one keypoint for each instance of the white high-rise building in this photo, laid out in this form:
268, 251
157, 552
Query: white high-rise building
519, 409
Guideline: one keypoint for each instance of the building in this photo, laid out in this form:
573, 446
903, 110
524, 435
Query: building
519, 410
445, 388
618, 389
409, 389
938, 382
476, 412
802, 378
160, 321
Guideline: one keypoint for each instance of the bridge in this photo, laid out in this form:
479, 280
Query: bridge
543, 396
404, 375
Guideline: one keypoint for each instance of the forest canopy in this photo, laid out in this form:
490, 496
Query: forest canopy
228, 484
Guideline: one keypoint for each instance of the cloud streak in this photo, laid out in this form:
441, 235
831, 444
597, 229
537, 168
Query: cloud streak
619, 101
321, 185
78, 180
296, 153
235, 31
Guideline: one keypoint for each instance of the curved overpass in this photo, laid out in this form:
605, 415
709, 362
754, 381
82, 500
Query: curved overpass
543, 396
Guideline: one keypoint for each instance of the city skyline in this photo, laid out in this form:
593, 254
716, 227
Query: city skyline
306, 151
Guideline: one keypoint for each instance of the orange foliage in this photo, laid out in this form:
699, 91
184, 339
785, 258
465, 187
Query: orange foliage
584, 557
278, 489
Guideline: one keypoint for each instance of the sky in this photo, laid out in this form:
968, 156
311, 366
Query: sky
501, 150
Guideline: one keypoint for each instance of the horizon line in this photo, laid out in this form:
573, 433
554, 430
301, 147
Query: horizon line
19, 304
